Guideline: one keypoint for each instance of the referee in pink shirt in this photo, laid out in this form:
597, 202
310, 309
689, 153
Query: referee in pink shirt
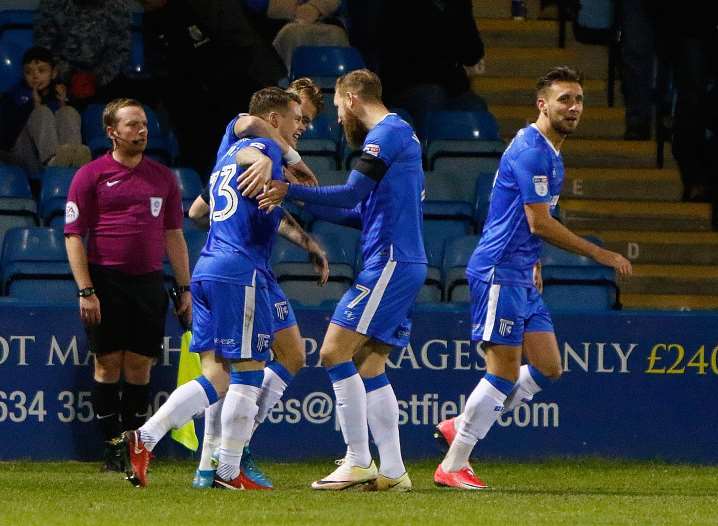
128, 209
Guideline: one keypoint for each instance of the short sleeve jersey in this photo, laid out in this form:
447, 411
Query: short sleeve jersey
124, 212
531, 171
391, 214
241, 236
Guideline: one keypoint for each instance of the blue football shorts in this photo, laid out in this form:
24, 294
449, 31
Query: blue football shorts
503, 313
379, 303
282, 313
235, 321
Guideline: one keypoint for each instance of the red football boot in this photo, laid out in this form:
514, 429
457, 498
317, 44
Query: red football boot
445, 433
465, 478
139, 459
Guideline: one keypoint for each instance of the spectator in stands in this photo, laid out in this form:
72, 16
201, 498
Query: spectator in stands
37, 126
292, 23
426, 55
130, 210
91, 39
210, 54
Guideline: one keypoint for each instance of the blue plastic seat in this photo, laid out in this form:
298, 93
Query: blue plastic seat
319, 163
461, 134
53, 196
324, 63
331, 177
15, 195
468, 164
52, 290
190, 185
16, 27
321, 139
577, 283
10, 65
34, 253
457, 253
433, 287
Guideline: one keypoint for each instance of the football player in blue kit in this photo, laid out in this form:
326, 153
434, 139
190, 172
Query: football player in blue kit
382, 197
287, 346
507, 311
232, 326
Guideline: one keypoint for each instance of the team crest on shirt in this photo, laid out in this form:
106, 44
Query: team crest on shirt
372, 149
540, 185
155, 206
71, 212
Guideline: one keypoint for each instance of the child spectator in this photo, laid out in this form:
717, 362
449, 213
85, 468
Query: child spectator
37, 126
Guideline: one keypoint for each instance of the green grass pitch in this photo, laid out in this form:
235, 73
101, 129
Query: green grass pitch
586, 491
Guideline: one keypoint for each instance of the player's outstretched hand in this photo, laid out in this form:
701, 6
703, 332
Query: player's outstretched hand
253, 179
273, 195
623, 267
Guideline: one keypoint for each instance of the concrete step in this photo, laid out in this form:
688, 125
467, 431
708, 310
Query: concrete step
503, 32
624, 184
584, 214
672, 279
603, 153
669, 302
502, 9
534, 62
520, 91
596, 123
664, 248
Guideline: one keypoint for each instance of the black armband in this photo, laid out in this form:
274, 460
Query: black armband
372, 167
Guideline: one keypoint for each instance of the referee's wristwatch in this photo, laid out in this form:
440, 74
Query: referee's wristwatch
87, 291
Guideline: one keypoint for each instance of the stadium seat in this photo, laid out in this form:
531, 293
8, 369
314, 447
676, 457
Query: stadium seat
10, 65
53, 196
319, 163
190, 185
297, 276
52, 290
461, 134
16, 27
457, 253
331, 177
324, 228
324, 63
432, 291
469, 164
15, 195
321, 139
34, 253
577, 283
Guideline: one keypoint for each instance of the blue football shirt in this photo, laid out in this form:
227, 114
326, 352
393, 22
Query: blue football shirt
531, 171
241, 236
391, 215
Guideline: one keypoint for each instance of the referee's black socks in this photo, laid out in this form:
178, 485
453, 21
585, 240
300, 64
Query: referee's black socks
106, 404
135, 402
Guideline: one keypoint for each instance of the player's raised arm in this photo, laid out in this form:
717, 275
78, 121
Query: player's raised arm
258, 172
542, 224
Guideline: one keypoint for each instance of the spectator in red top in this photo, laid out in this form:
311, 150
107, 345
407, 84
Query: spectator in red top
129, 209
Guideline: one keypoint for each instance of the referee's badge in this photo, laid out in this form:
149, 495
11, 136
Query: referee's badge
155, 206
541, 185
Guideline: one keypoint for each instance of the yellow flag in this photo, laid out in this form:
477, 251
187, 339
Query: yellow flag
188, 369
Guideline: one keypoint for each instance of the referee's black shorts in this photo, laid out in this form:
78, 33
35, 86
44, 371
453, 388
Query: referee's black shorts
133, 311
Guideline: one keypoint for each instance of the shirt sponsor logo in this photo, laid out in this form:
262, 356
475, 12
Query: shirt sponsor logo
155, 206
282, 310
372, 149
71, 212
505, 326
540, 185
